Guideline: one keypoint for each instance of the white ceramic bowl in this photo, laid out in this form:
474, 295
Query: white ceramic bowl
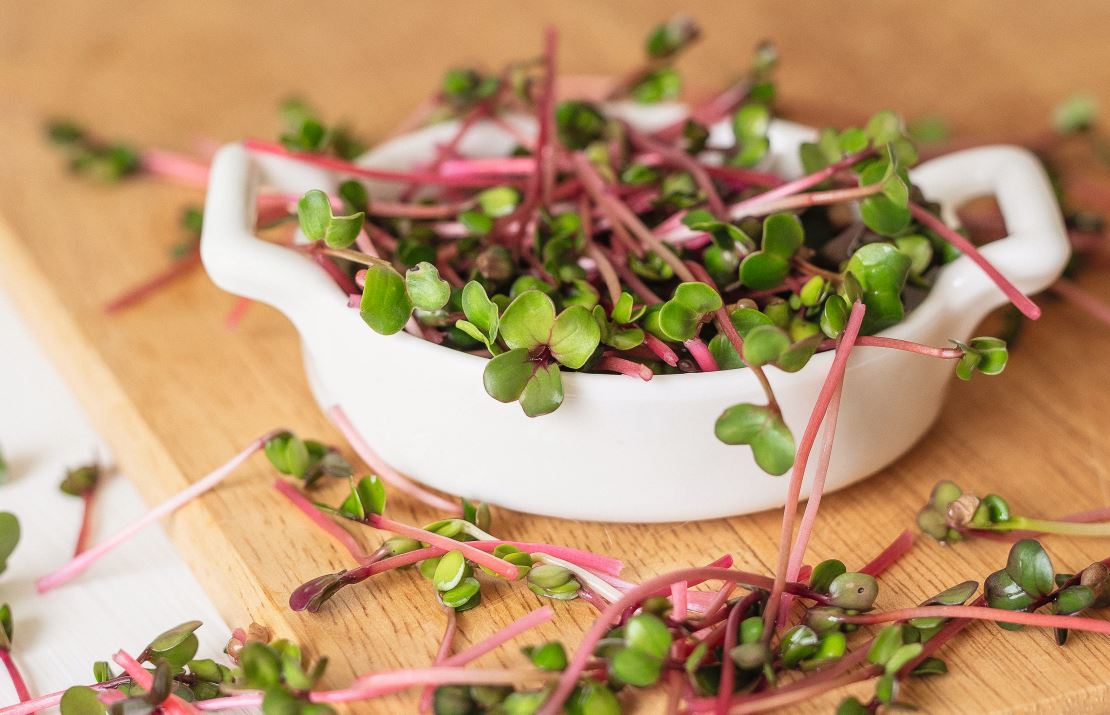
618, 449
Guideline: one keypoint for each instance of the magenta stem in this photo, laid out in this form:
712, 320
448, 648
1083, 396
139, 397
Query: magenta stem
210, 480
388, 474
679, 600
809, 516
498, 566
701, 355
352, 169
18, 683
805, 446
173, 705
1027, 307
711, 111
441, 656
318, 518
875, 341
618, 211
728, 672
1040, 620
660, 348
162, 278
682, 160
743, 208
612, 363
237, 312
887, 558
170, 165
812, 198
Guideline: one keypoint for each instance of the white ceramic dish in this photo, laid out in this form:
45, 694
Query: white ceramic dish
618, 449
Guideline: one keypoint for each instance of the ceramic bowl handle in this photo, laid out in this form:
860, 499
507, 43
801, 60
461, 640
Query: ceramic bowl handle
240, 262
1034, 253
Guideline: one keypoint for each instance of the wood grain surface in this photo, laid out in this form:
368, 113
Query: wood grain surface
176, 393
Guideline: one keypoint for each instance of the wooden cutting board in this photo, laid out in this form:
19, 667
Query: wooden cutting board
176, 393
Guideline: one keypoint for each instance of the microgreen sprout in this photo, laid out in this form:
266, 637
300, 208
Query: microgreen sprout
82, 482
951, 515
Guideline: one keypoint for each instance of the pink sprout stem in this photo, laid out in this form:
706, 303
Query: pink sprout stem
701, 354
618, 211
632, 597
235, 315
875, 341
724, 691
441, 656
817, 490
805, 446
388, 474
159, 280
170, 165
349, 168
887, 558
744, 208
318, 518
173, 705
1027, 307
85, 530
684, 161
1040, 620
194, 490
711, 111
813, 198
1075, 295
498, 566
679, 604
660, 348
341, 279
612, 363
18, 683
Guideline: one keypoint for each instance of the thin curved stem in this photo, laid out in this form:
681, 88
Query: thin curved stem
18, 683
1040, 620
1022, 302
194, 490
805, 446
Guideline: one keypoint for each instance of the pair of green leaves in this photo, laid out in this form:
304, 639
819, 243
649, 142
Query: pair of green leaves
681, 317
875, 274
986, 355
750, 124
765, 342
766, 268
762, 428
932, 519
464, 87
279, 670
388, 299
367, 496
802, 647
304, 131
539, 341
890, 651
483, 318
319, 223
308, 459
618, 329
453, 578
554, 582
639, 659
1027, 578
489, 205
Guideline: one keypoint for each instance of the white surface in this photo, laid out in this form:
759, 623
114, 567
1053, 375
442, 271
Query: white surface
617, 447
123, 601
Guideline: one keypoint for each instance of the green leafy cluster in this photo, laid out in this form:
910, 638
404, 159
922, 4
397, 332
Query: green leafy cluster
106, 162
1029, 582
537, 341
303, 130
305, 459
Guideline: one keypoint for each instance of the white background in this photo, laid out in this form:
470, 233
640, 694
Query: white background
124, 600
